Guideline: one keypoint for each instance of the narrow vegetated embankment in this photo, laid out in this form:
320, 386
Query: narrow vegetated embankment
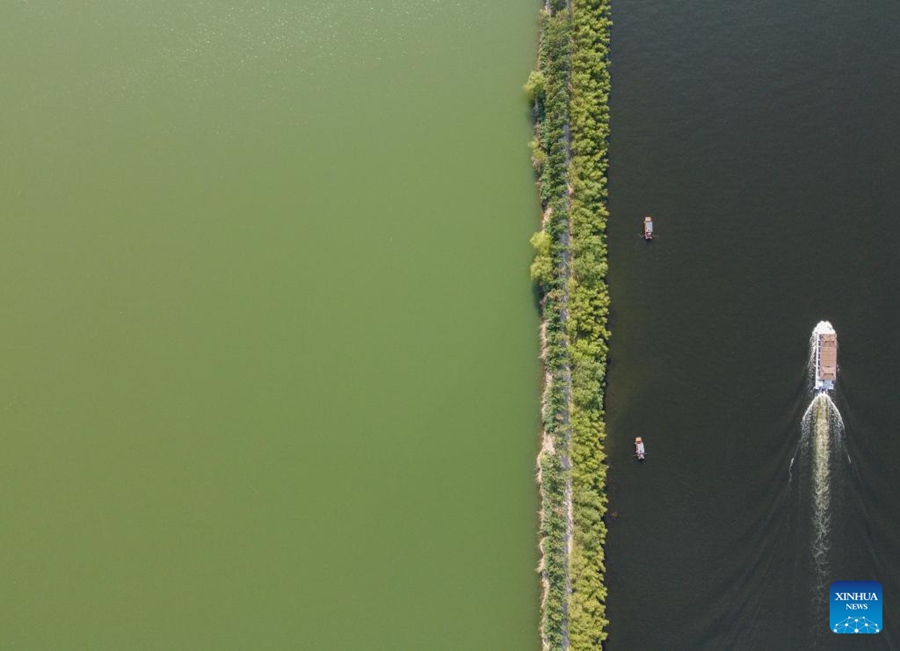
570, 90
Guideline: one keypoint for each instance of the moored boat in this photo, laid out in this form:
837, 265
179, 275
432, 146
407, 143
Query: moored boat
639, 450
648, 228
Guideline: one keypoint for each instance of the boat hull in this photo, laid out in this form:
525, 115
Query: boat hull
825, 364
639, 450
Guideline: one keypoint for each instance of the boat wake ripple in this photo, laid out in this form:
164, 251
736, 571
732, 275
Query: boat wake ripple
822, 434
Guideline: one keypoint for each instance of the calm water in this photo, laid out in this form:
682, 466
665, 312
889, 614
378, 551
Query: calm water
764, 139
269, 371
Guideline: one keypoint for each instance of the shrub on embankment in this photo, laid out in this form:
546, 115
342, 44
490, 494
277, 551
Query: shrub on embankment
588, 316
572, 88
547, 88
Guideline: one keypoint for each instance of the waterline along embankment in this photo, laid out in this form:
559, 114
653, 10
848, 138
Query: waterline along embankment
570, 93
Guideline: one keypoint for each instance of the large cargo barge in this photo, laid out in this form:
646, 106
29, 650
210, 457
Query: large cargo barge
826, 356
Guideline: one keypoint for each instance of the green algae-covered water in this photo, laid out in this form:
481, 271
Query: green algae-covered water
268, 353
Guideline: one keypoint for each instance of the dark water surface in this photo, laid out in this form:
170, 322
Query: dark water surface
764, 139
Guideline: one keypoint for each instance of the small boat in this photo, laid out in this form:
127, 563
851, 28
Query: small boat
639, 451
648, 228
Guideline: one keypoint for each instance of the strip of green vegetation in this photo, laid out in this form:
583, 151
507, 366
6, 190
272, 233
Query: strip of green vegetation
588, 316
548, 88
571, 88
